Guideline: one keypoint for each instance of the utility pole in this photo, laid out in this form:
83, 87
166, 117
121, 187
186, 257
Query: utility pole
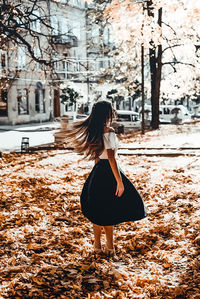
142, 75
142, 70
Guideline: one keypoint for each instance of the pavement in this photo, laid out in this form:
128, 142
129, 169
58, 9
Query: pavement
32, 127
169, 140
38, 134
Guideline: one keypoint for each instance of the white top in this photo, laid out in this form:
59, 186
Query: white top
110, 141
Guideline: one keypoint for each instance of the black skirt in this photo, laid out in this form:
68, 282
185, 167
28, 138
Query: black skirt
99, 202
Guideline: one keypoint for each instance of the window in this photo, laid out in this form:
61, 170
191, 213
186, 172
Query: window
123, 117
37, 54
3, 62
81, 3
20, 17
40, 100
76, 29
68, 108
64, 27
64, 65
95, 34
96, 65
3, 103
21, 57
69, 66
54, 25
108, 35
77, 65
106, 62
135, 118
101, 63
61, 26
36, 21
57, 65
75, 2
166, 111
22, 99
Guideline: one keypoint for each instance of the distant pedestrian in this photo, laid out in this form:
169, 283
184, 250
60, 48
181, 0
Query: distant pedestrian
108, 197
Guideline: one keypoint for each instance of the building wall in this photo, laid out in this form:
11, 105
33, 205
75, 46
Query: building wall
64, 18
30, 74
14, 117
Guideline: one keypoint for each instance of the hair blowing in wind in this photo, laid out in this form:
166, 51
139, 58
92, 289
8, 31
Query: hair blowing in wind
87, 135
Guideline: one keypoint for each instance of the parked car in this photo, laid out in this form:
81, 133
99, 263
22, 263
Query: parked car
73, 116
126, 120
196, 112
79, 117
167, 113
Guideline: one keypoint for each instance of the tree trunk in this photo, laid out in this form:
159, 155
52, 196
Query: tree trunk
155, 124
154, 98
155, 62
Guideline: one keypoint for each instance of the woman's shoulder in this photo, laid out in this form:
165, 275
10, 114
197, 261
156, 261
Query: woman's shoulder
109, 130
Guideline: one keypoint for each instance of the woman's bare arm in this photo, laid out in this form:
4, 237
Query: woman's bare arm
115, 170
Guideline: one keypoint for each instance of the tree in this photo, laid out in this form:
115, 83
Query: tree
155, 62
115, 96
23, 19
162, 28
69, 95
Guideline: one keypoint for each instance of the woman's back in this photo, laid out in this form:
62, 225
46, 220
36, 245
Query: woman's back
110, 142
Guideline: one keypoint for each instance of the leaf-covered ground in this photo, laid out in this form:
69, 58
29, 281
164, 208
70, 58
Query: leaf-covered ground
47, 244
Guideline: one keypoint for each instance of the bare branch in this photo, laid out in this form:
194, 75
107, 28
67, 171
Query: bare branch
173, 63
169, 27
172, 46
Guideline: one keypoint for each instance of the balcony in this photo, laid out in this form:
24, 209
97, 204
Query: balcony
66, 40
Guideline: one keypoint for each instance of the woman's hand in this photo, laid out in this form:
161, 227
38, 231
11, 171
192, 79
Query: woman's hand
116, 172
120, 188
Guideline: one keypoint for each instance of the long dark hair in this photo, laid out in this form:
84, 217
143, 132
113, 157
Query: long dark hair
87, 135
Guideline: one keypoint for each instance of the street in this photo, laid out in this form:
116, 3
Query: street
169, 137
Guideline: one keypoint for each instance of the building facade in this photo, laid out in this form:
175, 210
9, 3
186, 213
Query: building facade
32, 93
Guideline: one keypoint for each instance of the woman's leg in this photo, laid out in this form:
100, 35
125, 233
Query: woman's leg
109, 236
97, 236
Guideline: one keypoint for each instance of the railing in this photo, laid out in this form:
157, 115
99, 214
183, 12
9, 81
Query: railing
82, 66
67, 40
66, 68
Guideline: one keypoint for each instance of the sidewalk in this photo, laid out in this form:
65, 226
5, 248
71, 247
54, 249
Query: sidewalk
34, 127
38, 134
168, 140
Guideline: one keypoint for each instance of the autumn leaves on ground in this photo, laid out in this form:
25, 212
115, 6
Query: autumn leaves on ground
47, 244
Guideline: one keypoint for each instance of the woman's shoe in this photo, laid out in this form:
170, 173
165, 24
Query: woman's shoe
111, 253
97, 250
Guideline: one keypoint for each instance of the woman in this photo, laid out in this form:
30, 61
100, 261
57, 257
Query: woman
108, 197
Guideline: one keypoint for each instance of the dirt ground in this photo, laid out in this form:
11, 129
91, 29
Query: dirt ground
46, 246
